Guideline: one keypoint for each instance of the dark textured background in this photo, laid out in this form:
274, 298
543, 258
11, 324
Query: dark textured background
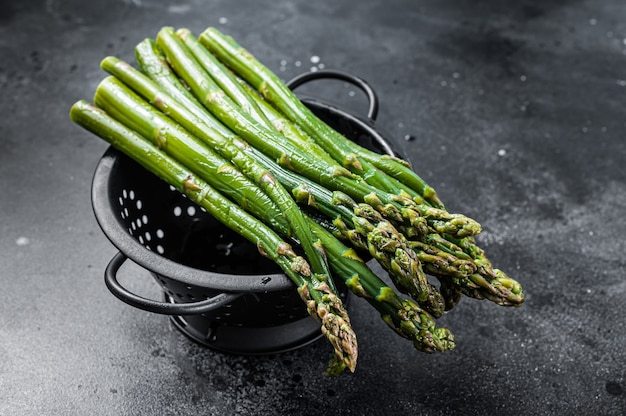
517, 110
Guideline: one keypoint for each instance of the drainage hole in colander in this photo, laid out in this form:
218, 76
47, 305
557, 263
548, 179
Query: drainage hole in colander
191, 210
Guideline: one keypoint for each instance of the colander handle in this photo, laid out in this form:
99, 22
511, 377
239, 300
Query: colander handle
372, 111
164, 308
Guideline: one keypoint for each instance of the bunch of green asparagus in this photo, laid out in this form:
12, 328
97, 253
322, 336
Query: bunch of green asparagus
206, 116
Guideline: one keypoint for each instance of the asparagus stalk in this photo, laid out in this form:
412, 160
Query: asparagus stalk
153, 63
400, 262
123, 104
495, 285
321, 302
224, 79
402, 315
120, 101
222, 107
277, 92
365, 229
403, 172
273, 89
393, 166
450, 224
181, 120
277, 121
276, 146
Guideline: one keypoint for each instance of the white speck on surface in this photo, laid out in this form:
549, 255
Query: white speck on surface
502, 152
443, 83
22, 241
297, 63
456, 75
621, 82
315, 59
179, 8
593, 21
523, 78
223, 20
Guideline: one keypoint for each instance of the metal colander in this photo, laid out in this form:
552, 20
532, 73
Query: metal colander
217, 288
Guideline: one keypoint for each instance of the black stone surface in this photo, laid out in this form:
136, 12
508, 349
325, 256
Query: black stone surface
517, 114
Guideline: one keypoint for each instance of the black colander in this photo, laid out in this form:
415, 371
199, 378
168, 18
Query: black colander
217, 288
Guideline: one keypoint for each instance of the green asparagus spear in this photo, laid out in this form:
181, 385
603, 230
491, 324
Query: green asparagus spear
354, 223
496, 285
277, 92
222, 107
118, 100
122, 103
153, 63
276, 146
403, 316
277, 121
222, 77
181, 120
274, 90
321, 302
442, 221
402, 171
